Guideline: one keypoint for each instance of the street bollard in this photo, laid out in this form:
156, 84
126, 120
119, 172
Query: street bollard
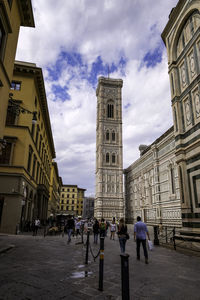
125, 276
174, 239
166, 234
87, 247
101, 262
156, 240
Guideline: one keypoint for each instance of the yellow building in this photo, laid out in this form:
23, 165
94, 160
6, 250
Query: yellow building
55, 185
13, 14
26, 161
71, 200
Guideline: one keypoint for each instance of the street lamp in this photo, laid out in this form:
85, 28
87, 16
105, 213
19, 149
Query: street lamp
19, 109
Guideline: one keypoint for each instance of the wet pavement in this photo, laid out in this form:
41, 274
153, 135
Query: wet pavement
49, 268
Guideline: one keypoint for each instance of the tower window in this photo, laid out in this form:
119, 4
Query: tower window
113, 158
110, 111
107, 157
107, 135
113, 136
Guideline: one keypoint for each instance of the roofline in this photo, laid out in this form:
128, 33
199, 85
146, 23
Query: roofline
172, 17
28, 69
166, 133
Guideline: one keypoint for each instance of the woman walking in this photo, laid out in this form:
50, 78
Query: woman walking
96, 231
113, 227
122, 233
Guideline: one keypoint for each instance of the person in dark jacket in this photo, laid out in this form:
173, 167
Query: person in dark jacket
122, 232
69, 227
96, 231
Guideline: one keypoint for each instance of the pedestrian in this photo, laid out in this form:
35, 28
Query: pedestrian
122, 235
140, 232
96, 231
69, 227
102, 228
113, 228
78, 226
36, 226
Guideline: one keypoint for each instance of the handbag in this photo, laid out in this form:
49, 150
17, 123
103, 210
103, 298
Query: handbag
127, 236
150, 245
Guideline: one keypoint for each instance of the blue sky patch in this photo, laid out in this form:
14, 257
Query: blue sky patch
152, 58
61, 92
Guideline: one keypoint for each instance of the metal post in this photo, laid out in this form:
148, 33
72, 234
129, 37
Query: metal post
166, 234
87, 247
125, 276
174, 239
156, 240
101, 262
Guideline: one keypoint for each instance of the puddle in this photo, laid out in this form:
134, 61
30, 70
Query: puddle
81, 274
81, 266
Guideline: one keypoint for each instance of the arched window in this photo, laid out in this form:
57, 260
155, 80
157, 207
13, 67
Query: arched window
190, 27
110, 110
175, 120
107, 158
113, 158
107, 135
113, 135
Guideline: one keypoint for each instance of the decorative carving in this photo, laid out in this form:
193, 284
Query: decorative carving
187, 112
183, 75
192, 65
197, 104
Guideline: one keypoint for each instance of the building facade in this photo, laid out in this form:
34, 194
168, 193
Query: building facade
152, 185
88, 207
13, 14
71, 200
55, 186
26, 160
182, 39
109, 200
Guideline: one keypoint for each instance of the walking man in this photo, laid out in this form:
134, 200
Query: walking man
140, 232
70, 227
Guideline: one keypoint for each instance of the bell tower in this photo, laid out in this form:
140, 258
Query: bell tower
109, 201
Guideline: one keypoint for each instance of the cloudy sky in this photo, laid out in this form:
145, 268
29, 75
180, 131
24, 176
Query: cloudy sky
75, 41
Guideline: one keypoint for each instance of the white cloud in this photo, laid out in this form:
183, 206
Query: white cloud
109, 29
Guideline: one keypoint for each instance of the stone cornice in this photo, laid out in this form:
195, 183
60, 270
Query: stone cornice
26, 13
109, 82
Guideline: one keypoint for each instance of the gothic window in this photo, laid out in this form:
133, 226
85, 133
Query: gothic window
110, 110
107, 135
181, 184
113, 158
172, 180
175, 119
113, 135
189, 29
107, 158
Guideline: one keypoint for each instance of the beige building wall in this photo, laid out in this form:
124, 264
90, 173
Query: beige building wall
71, 200
11, 18
26, 161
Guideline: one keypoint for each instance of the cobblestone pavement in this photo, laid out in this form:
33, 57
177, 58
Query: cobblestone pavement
49, 268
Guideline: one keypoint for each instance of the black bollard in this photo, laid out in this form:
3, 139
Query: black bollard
166, 234
156, 240
125, 276
87, 247
174, 239
101, 262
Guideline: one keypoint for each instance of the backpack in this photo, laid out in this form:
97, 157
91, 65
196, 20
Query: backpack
102, 226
